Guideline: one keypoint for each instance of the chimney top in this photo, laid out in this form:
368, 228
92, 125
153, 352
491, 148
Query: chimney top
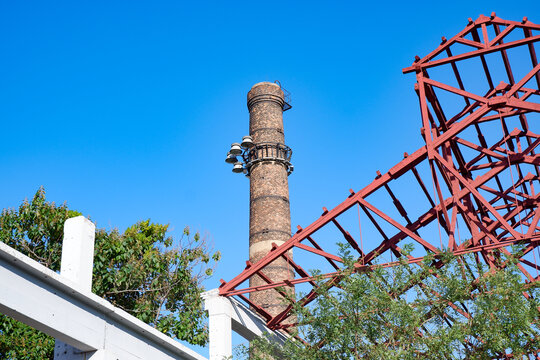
265, 83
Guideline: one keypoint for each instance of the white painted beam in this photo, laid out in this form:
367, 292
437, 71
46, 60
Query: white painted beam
78, 251
44, 300
77, 265
219, 325
249, 324
226, 315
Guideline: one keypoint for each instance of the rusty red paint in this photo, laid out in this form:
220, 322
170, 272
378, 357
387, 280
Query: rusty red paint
489, 192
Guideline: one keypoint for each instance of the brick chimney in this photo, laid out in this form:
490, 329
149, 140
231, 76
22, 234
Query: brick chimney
269, 167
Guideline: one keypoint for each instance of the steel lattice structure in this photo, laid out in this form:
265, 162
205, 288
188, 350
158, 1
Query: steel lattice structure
470, 189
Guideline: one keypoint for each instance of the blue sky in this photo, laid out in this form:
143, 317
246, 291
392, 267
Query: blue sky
126, 109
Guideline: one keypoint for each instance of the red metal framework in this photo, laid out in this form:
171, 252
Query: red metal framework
470, 189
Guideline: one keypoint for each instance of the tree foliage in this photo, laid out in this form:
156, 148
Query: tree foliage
143, 270
462, 310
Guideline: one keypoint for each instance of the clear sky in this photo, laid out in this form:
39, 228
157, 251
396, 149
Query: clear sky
126, 109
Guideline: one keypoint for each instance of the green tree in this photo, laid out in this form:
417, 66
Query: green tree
143, 270
462, 310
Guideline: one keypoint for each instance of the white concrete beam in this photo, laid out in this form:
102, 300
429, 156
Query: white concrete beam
219, 325
78, 251
226, 315
249, 324
44, 300
77, 265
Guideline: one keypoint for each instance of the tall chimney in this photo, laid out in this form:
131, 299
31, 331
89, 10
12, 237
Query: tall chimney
269, 166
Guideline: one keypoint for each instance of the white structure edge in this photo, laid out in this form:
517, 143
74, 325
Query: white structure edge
77, 265
47, 301
226, 314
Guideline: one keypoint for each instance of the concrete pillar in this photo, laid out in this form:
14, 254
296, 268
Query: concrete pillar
219, 325
270, 220
78, 251
77, 264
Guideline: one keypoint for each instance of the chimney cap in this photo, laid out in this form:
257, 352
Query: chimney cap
265, 83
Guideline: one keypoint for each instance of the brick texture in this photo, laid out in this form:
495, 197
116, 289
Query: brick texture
270, 219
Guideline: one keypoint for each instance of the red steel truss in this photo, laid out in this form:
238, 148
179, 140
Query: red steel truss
470, 189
